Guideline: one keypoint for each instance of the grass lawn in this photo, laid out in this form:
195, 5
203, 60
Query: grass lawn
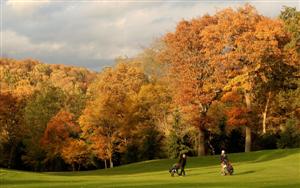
273, 168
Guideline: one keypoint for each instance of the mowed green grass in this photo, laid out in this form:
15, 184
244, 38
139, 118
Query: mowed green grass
273, 168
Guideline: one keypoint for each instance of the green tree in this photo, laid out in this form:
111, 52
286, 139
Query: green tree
175, 140
38, 112
291, 19
149, 111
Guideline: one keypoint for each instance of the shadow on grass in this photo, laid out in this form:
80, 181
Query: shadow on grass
218, 173
199, 184
243, 173
192, 162
23, 182
265, 155
148, 184
296, 185
173, 185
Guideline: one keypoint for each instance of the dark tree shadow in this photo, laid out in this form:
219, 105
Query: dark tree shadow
243, 173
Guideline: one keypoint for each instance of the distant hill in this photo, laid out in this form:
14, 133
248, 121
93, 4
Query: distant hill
27, 75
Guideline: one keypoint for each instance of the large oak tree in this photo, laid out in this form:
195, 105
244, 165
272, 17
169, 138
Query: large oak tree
238, 48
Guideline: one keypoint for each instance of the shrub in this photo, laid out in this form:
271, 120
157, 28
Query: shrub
290, 137
266, 141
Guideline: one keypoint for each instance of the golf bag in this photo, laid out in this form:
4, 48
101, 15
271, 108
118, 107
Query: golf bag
174, 169
227, 168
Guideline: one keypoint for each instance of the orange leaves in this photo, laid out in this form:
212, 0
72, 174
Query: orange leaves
240, 48
11, 125
100, 147
105, 119
24, 77
75, 152
232, 121
237, 116
266, 40
235, 109
60, 129
232, 97
204, 54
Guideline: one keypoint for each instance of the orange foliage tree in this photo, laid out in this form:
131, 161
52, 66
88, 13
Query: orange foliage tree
104, 119
240, 47
76, 153
11, 125
190, 73
60, 129
235, 109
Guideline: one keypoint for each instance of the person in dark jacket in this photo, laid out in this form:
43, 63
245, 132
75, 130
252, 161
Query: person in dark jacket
223, 157
226, 167
182, 162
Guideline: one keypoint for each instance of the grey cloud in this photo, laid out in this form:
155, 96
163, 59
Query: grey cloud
93, 34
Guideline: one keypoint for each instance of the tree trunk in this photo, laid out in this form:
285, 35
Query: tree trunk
111, 163
248, 129
78, 167
265, 113
201, 148
105, 164
248, 139
11, 156
210, 145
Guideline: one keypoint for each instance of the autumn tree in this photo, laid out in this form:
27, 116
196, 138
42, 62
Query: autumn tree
76, 153
152, 64
252, 55
25, 76
39, 91
234, 70
241, 47
11, 126
60, 129
189, 72
105, 116
235, 108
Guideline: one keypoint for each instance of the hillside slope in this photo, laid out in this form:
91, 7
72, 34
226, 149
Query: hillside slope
273, 168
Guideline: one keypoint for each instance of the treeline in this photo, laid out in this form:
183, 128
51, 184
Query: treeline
32, 95
224, 81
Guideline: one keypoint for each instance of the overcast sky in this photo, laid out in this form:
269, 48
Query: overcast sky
93, 33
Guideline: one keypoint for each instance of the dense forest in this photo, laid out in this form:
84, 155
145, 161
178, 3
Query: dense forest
224, 81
